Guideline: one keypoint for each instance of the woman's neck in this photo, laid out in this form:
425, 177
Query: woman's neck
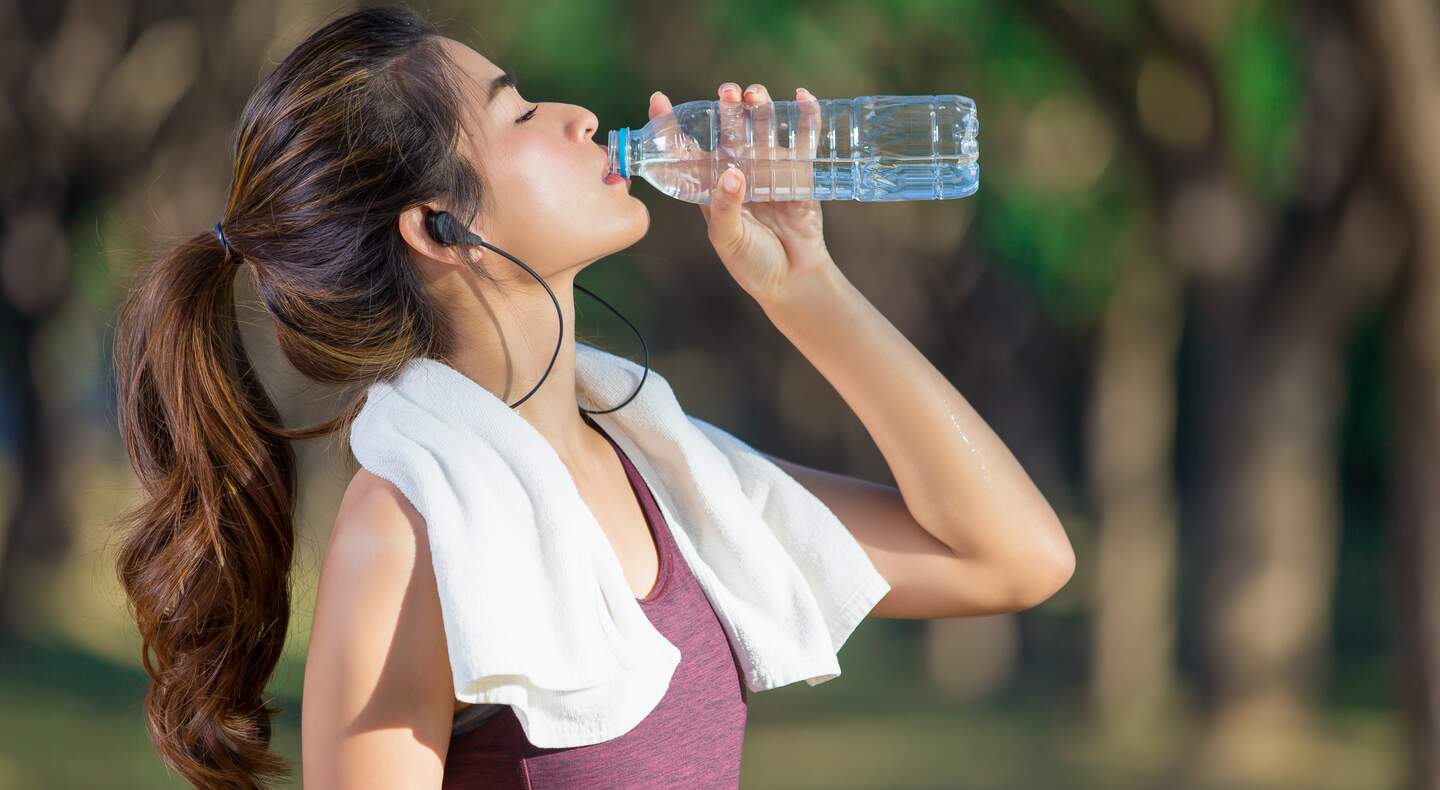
506, 351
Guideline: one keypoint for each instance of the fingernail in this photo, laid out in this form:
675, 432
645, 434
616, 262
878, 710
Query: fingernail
653, 95
730, 182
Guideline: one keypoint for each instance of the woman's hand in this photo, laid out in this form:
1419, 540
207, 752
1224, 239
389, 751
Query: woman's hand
767, 247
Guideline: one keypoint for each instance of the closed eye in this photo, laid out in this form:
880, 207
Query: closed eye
527, 116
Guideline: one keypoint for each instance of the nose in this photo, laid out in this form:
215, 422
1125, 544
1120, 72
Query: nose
586, 124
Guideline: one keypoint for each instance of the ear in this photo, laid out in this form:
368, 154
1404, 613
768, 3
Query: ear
418, 239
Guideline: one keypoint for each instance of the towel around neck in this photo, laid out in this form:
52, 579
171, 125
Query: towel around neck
536, 608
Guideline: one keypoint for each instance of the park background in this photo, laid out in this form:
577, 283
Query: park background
1196, 294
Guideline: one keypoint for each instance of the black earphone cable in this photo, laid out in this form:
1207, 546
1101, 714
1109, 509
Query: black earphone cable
445, 229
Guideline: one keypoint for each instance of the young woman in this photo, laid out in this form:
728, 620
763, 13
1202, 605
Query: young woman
366, 130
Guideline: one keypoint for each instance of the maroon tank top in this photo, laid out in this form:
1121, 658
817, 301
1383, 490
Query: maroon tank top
692, 738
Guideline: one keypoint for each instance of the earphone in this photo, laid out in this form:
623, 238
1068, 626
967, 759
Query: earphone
446, 230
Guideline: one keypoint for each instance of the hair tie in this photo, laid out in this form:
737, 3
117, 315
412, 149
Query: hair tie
224, 243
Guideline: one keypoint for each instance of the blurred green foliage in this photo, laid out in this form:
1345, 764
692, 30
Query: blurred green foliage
1062, 225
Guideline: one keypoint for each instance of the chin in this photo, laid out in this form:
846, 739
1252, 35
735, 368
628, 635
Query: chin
637, 222
625, 239
630, 239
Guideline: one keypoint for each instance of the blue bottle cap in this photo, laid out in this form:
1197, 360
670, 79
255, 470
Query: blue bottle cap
624, 160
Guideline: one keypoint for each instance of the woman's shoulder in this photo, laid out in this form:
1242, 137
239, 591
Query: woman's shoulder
373, 500
377, 657
376, 529
377, 608
378, 540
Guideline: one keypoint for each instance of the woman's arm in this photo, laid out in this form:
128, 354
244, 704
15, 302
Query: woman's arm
967, 532
378, 701
959, 487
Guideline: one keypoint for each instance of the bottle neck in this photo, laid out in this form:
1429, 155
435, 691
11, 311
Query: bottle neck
620, 153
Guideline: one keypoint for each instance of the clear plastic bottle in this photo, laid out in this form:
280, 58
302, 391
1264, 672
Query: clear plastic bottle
870, 148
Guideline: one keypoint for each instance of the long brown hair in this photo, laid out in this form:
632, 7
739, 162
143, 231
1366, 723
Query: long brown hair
360, 122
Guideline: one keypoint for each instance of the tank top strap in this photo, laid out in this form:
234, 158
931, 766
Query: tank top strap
665, 548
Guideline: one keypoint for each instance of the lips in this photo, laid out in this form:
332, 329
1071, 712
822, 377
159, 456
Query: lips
606, 175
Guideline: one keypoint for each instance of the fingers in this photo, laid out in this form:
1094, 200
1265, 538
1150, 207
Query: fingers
807, 124
724, 226
763, 148
659, 104
732, 122
805, 143
769, 138
762, 117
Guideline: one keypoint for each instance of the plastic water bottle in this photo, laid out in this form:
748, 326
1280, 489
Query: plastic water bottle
870, 148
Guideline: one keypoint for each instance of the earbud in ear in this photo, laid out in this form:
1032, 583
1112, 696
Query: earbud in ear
445, 229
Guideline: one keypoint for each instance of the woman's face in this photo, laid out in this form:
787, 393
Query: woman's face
546, 201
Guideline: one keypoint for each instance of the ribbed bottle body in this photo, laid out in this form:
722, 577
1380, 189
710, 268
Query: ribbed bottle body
870, 148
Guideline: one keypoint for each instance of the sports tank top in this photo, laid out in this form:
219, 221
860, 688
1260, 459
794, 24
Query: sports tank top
692, 738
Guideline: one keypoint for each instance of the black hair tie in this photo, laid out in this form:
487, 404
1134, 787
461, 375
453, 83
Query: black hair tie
224, 243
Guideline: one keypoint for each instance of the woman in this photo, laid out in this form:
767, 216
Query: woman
343, 155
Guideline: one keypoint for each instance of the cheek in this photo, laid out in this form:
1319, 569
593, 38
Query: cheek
552, 175
552, 205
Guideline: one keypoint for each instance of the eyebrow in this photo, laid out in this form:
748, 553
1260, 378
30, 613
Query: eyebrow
500, 83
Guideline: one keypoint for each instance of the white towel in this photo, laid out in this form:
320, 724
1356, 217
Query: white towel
537, 611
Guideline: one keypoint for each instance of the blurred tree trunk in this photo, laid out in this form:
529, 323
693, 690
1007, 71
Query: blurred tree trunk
105, 96
1273, 315
1131, 443
1272, 528
37, 198
1404, 36
37, 533
1271, 310
1272, 343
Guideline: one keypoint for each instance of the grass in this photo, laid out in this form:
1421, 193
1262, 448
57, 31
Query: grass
71, 719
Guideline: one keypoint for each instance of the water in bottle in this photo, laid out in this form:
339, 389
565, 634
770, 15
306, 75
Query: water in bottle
870, 148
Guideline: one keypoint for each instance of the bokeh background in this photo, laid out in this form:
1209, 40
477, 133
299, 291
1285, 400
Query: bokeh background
1196, 294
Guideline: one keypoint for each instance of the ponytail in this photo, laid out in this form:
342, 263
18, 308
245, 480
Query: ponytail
360, 122
205, 561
